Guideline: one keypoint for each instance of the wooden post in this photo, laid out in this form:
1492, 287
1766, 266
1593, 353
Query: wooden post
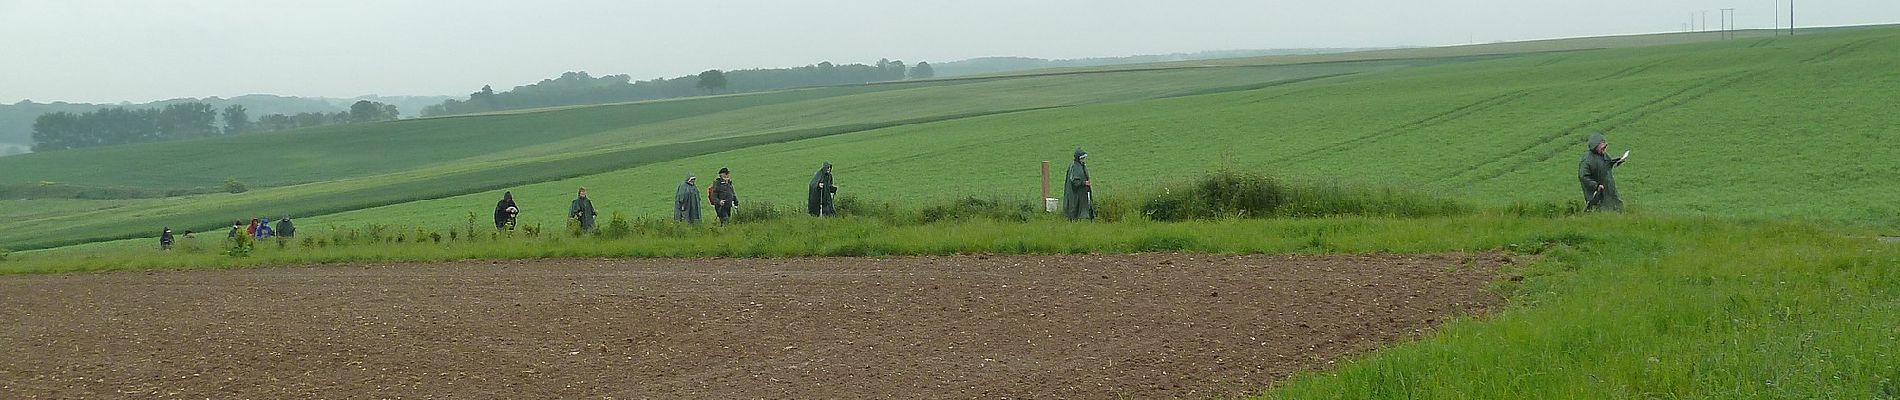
1045, 179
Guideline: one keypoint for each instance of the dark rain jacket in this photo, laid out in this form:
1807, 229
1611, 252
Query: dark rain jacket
821, 196
686, 202
1595, 169
583, 209
502, 215
285, 228
722, 190
1077, 200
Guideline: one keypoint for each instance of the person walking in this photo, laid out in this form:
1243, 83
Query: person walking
505, 212
165, 239
1078, 191
285, 228
1594, 173
724, 200
821, 196
582, 209
686, 201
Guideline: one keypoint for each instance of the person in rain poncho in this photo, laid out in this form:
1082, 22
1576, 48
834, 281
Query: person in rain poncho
686, 201
505, 211
165, 239
1599, 184
264, 230
285, 228
1077, 198
821, 196
582, 209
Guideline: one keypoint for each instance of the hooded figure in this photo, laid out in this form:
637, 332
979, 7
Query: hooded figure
165, 239
1599, 185
686, 201
505, 211
236, 226
583, 209
285, 228
1077, 200
821, 196
264, 230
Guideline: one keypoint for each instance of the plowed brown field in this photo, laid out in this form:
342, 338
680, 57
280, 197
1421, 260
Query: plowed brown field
1134, 326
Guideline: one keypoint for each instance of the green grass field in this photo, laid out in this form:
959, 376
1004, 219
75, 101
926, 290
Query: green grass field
1456, 130
1762, 167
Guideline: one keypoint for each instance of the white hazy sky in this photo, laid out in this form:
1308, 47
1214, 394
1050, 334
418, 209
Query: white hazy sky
142, 50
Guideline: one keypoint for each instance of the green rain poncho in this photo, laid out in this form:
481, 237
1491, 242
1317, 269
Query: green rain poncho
1595, 170
686, 201
821, 195
1077, 201
583, 209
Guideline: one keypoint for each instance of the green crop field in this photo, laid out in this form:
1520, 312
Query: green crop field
1762, 168
1737, 128
1482, 125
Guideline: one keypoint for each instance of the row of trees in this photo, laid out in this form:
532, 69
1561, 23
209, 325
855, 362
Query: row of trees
119, 125
575, 88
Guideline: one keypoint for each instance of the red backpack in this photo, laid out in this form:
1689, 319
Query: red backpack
709, 196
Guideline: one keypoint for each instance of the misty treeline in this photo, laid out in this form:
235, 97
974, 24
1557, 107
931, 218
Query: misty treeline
577, 88
120, 125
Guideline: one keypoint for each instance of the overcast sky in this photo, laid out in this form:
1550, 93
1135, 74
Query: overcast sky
143, 50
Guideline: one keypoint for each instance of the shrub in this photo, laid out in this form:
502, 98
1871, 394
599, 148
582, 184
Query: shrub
760, 211
240, 246
4, 253
973, 207
617, 226
1545, 209
574, 227
1225, 193
231, 185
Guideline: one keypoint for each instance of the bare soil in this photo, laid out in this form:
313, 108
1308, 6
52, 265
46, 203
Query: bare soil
1125, 326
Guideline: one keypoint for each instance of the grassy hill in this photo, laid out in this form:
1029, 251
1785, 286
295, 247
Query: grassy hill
332, 169
1738, 128
1707, 120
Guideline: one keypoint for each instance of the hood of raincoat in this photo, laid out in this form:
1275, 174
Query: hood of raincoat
1079, 154
1596, 139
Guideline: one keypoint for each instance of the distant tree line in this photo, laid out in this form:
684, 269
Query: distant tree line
119, 125
576, 88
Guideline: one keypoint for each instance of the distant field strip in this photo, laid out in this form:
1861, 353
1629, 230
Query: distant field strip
1554, 143
1422, 123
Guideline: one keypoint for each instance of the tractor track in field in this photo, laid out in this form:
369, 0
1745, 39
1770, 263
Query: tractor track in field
1408, 127
1555, 143
1071, 326
1761, 43
1837, 52
1552, 60
1631, 71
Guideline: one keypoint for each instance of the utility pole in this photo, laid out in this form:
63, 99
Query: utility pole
1777, 29
1790, 17
1728, 23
